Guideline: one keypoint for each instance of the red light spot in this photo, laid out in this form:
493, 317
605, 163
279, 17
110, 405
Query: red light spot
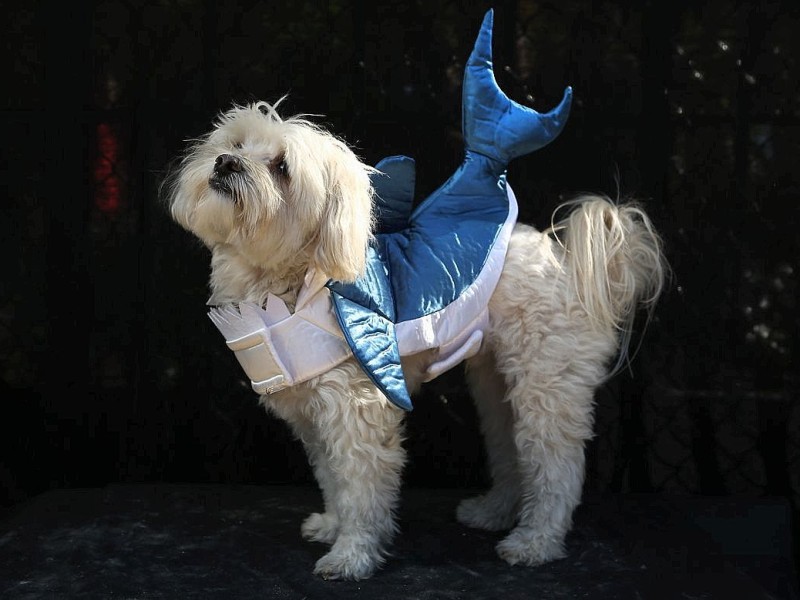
108, 187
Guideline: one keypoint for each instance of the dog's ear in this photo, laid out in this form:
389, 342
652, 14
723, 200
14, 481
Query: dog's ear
346, 225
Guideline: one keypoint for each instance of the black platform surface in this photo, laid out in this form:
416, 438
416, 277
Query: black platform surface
216, 541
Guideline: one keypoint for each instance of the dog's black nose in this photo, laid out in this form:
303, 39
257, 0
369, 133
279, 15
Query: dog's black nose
227, 164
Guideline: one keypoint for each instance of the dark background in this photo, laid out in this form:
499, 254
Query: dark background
110, 370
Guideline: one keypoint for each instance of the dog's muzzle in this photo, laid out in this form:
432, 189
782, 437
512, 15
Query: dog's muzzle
225, 167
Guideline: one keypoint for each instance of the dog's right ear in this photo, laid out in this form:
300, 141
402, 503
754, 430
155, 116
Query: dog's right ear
347, 220
171, 196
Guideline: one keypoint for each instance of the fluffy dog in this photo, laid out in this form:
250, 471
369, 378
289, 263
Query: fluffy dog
276, 198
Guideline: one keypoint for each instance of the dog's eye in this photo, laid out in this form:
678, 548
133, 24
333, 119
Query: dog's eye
279, 166
238, 145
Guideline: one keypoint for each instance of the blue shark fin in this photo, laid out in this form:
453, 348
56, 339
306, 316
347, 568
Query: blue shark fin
492, 123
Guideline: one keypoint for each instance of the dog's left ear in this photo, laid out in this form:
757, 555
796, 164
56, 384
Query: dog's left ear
346, 225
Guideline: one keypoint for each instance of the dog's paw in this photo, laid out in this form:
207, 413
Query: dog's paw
347, 560
486, 512
530, 548
320, 527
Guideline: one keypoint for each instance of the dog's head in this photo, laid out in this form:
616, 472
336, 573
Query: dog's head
278, 192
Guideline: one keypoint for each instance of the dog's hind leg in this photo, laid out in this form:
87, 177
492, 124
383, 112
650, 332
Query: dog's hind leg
497, 509
360, 435
553, 420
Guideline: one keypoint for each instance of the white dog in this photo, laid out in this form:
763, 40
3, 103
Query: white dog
280, 202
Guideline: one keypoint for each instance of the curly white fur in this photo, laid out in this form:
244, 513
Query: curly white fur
272, 198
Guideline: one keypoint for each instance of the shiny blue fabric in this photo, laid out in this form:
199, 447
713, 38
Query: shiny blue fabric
422, 261
394, 191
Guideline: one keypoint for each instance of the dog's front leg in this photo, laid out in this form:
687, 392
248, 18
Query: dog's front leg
319, 527
360, 438
297, 409
322, 527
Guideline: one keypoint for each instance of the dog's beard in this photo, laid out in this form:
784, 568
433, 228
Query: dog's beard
221, 185
237, 187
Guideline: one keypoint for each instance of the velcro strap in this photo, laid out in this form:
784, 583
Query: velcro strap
256, 353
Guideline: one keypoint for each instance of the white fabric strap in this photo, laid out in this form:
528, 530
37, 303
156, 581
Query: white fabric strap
277, 349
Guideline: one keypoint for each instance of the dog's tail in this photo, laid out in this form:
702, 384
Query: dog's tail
616, 262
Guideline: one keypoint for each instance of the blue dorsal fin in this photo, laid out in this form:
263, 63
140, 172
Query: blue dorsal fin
394, 192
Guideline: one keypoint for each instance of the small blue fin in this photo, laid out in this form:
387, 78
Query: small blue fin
372, 339
394, 190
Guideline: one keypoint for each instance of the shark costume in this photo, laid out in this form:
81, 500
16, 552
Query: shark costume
430, 272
